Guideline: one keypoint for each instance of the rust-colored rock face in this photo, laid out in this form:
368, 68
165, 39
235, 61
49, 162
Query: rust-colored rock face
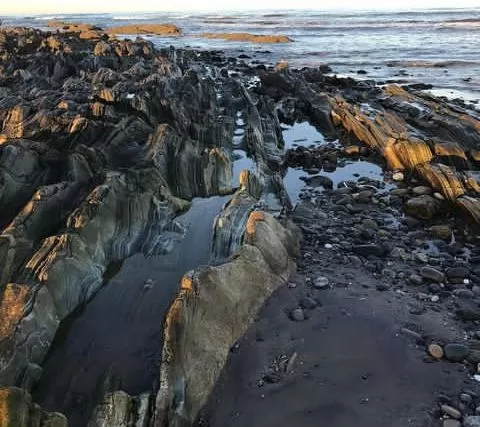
246, 37
437, 161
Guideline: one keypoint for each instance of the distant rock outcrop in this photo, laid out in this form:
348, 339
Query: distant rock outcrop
155, 29
246, 37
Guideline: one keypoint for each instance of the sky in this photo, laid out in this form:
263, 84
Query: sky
79, 6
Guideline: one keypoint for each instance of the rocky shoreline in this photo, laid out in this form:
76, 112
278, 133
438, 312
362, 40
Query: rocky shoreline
105, 142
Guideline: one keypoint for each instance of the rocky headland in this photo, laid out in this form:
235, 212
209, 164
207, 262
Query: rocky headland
105, 144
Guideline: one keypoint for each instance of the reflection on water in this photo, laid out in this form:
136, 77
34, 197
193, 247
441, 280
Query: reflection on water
302, 133
115, 341
350, 172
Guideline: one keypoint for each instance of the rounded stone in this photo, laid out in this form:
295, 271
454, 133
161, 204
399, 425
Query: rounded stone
451, 423
466, 398
398, 176
321, 282
435, 350
298, 315
432, 274
451, 412
455, 352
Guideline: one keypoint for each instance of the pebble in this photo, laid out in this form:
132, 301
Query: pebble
443, 232
398, 176
298, 315
466, 398
421, 190
438, 196
451, 412
432, 274
435, 350
415, 279
328, 246
321, 282
370, 223
451, 423
458, 273
455, 352
435, 298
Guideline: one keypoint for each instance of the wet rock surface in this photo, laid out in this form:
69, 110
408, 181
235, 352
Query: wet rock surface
105, 143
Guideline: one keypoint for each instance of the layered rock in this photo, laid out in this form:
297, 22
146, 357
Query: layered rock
440, 164
98, 140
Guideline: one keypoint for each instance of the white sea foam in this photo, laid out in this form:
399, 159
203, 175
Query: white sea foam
49, 18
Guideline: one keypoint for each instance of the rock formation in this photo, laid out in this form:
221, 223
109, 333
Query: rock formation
246, 37
104, 142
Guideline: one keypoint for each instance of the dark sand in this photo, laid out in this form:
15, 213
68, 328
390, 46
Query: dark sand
354, 366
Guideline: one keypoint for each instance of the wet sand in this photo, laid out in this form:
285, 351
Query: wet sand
353, 367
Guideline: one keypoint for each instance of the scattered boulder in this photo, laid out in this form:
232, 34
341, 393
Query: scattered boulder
456, 352
423, 207
432, 274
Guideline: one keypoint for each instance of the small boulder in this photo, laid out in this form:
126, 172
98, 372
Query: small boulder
451, 412
320, 181
432, 274
455, 352
421, 190
443, 232
435, 350
423, 207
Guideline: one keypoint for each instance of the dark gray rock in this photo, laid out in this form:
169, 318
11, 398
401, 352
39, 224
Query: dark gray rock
320, 181
468, 313
367, 250
432, 274
458, 273
456, 352
298, 315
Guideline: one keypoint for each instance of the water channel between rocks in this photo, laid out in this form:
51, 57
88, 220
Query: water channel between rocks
114, 342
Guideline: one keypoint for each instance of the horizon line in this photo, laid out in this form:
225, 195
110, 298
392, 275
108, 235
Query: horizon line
217, 11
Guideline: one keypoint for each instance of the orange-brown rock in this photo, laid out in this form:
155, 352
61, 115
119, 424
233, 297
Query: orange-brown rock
156, 29
247, 37
443, 179
388, 133
85, 31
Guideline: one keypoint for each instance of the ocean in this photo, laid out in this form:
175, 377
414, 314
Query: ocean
438, 47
